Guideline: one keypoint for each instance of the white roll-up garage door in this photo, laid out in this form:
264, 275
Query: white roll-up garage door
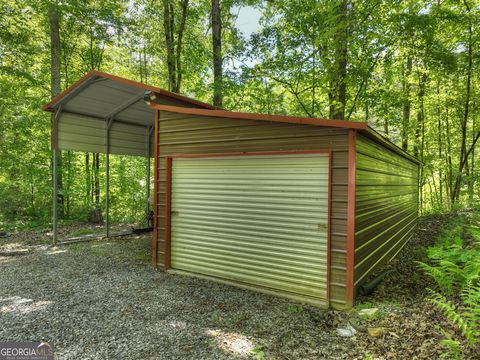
258, 220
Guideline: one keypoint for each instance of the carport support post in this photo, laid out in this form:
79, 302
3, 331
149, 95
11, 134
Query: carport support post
55, 195
108, 124
55, 173
149, 149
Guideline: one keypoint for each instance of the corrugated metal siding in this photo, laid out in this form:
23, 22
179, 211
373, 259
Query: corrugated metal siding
185, 134
385, 208
83, 133
103, 96
258, 220
81, 125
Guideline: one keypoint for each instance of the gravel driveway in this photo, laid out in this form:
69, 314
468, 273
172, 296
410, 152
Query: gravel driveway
102, 300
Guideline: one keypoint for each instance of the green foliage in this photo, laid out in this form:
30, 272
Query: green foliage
366, 305
295, 309
455, 266
289, 65
258, 353
467, 317
454, 348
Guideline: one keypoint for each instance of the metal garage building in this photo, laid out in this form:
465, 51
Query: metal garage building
300, 207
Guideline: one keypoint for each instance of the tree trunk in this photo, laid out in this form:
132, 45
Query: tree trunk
217, 53
140, 65
406, 103
167, 25
174, 48
448, 152
338, 87
55, 56
467, 173
422, 142
55, 51
314, 79
178, 51
439, 145
463, 147
463, 163
143, 65
440, 149
367, 103
471, 183
418, 146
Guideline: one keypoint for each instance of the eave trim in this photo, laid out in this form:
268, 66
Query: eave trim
262, 117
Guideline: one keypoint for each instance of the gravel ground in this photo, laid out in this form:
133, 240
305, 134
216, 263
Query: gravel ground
102, 300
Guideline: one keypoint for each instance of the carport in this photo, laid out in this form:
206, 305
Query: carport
303, 208
103, 113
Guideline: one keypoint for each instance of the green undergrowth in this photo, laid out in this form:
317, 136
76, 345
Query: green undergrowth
454, 264
18, 225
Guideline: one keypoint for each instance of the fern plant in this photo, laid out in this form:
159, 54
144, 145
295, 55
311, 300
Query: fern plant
471, 300
455, 267
454, 348
467, 318
445, 273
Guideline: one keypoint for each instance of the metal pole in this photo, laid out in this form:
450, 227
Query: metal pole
107, 194
108, 123
55, 195
149, 149
55, 173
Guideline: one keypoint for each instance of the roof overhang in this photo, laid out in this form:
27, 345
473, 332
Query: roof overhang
91, 83
360, 126
101, 104
263, 117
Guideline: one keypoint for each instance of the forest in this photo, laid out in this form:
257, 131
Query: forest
411, 69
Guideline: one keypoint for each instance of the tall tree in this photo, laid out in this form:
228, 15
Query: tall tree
174, 30
406, 102
338, 87
217, 53
464, 153
55, 86
55, 53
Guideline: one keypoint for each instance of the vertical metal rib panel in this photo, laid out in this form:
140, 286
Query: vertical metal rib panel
386, 205
257, 220
185, 134
83, 133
